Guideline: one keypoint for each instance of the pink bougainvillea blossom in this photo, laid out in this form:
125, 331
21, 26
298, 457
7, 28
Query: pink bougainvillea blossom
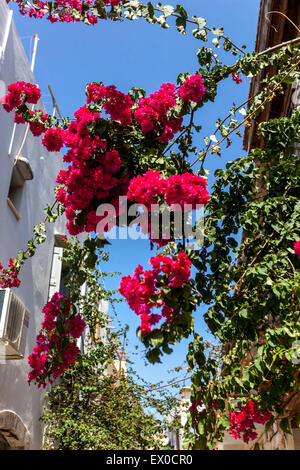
151, 113
56, 347
19, 92
112, 2
188, 191
9, 277
95, 173
143, 293
116, 104
236, 78
53, 139
297, 248
185, 189
241, 423
147, 188
192, 89
64, 11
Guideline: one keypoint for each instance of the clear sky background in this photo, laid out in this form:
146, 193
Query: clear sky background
129, 54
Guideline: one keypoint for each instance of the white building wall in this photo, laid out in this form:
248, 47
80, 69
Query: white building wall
16, 397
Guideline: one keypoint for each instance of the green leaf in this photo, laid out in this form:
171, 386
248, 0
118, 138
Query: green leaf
201, 22
153, 356
91, 260
269, 424
201, 428
258, 364
134, 3
181, 25
162, 21
21, 256
50, 214
284, 424
243, 111
167, 10
218, 31
200, 443
223, 422
101, 242
81, 277
150, 9
215, 42
181, 11
157, 338
199, 34
166, 349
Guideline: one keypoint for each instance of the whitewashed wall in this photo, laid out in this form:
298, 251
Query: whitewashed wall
18, 401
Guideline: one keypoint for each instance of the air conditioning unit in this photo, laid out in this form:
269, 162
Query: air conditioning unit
14, 322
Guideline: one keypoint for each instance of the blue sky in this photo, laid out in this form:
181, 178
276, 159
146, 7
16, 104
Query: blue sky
129, 54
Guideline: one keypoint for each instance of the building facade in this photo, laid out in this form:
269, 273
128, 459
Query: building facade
278, 22
27, 178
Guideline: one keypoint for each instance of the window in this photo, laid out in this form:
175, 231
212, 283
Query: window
21, 172
59, 269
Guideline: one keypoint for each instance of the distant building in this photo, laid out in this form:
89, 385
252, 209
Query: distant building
27, 179
176, 439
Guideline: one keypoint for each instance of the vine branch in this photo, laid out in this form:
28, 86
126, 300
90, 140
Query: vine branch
248, 116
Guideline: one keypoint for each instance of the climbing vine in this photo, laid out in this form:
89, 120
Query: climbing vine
142, 149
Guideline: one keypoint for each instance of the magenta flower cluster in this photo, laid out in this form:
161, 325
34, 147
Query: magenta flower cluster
143, 293
115, 103
151, 188
66, 11
56, 347
297, 248
236, 77
192, 89
152, 111
92, 176
242, 422
18, 93
9, 277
